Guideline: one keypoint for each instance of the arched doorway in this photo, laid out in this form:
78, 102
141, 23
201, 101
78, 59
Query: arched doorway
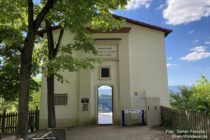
105, 104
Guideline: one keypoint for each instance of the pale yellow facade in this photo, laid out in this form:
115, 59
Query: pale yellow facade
137, 67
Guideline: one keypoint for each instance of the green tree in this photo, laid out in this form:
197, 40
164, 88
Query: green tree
34, 100
11, 40
64, 61
27, 16
182, 100
196, 99
201, 95
6, 105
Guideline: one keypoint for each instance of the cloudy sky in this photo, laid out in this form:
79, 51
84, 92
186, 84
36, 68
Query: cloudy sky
188, 46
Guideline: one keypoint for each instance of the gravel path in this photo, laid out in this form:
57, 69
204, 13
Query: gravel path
116, 133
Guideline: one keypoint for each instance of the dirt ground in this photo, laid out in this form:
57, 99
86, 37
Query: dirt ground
117, 133
110, 132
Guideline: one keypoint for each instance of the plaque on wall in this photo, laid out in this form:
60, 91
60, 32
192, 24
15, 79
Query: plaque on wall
106, 51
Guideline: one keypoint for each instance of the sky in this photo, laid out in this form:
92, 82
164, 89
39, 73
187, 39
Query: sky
188, 46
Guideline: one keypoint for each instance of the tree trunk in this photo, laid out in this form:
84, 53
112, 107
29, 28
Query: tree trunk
50, 78
25, 73
50, 101
52, 52
26, 60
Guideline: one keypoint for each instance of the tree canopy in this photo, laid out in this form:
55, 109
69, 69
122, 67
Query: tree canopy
27, 17
196, 98
11, 41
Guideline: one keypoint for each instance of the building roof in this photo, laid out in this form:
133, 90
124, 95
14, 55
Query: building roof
166, 31
122, 30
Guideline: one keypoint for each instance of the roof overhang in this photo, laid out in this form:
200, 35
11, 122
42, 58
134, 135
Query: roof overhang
121, 30
164, 30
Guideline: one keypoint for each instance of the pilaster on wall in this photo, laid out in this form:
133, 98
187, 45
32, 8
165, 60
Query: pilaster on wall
124, 73
84, 94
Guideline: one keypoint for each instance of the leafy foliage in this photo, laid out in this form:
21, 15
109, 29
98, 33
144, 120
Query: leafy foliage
201, 96
11, 40
27, 16
74, 17
197, 98
12, 105
183, 99
35, 100
9, 106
